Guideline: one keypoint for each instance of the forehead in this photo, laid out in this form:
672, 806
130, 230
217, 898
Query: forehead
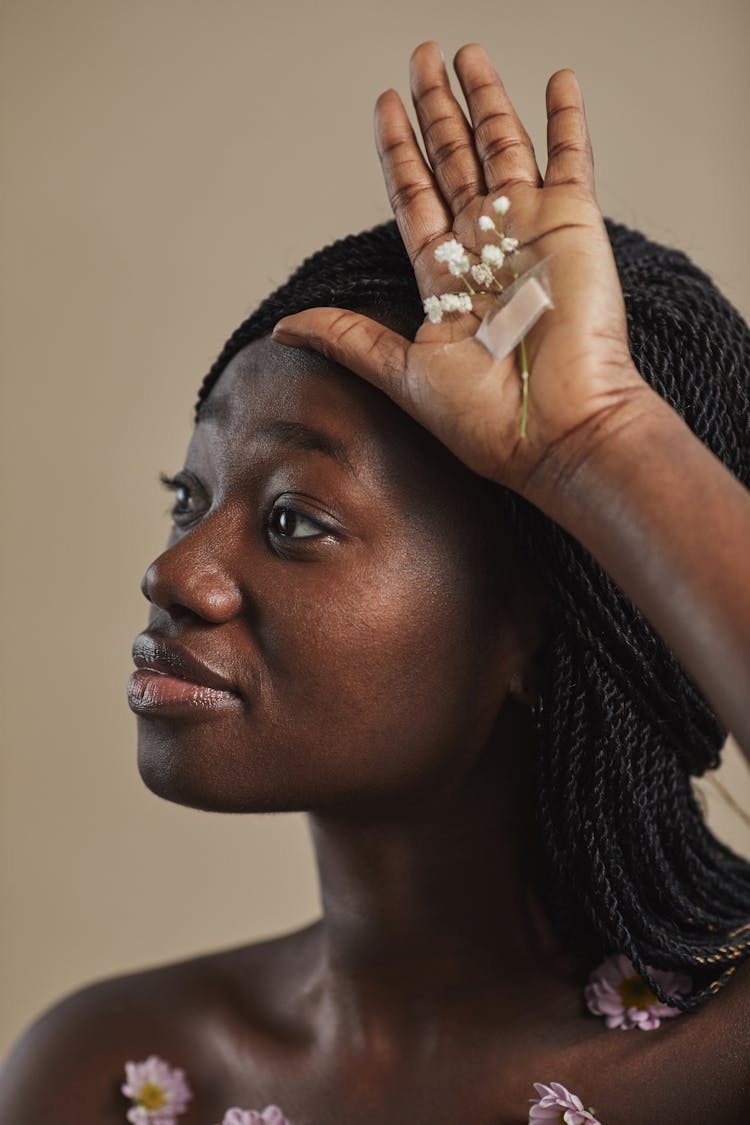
271, 391
266, 378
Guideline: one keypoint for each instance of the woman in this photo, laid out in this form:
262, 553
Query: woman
382, 605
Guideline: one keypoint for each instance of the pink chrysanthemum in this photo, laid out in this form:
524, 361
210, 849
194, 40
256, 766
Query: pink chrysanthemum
557, 1104
617, 992
159, 1092
271, 1115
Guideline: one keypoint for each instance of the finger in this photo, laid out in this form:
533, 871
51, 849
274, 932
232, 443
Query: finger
362, 345
569, 156
421, 213
503, 145
447, 137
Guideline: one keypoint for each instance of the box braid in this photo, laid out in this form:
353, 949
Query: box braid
628, 864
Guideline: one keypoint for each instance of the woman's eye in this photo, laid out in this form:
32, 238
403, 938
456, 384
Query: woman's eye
186, 501
182, 499
292, 524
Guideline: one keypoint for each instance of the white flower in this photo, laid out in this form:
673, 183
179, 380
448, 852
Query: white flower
486, 223
450, 251
433, 309
492, 256
508, 245
482, 274
455, 302
457, 266
501, 205
454, 254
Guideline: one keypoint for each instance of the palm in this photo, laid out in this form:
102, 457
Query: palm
477, 414
578, 351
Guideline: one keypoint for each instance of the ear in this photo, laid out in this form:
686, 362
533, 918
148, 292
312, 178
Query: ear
526, 686
531, 628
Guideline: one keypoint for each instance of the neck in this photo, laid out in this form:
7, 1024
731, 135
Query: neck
434, 907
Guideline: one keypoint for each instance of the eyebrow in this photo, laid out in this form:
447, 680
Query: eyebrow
298, 435
294, 435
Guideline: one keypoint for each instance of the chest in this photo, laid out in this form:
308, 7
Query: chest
627, 1077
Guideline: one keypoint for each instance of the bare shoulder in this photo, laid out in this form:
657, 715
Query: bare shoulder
723, 1038
695, 1068
69, 1065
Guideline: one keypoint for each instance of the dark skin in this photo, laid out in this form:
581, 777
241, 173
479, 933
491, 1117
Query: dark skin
379, 650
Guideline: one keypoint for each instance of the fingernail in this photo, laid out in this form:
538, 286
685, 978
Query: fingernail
283, 336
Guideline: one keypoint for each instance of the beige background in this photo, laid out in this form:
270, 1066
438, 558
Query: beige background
165, 162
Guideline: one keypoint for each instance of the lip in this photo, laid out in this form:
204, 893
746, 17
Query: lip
168, 679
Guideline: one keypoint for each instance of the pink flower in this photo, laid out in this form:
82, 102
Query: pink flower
159, 1092
616, 991
271, 1115
557, 1104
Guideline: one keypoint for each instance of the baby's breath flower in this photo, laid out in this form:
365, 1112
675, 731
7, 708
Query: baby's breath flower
508, 245
454, 254
482, 274
501, 205
486, 222
449, 251
455, 302
458, 266
492, 256
433, 309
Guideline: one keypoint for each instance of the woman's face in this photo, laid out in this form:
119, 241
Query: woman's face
339, 585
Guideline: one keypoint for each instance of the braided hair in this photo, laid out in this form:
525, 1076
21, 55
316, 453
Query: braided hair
628, 863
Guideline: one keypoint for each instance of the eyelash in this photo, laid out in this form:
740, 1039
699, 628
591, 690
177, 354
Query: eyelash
183, 481
174, 484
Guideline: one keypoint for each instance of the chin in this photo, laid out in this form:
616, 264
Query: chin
224, 769
183, 788
198, 777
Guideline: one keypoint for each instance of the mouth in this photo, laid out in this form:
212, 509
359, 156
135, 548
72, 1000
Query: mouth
168, 680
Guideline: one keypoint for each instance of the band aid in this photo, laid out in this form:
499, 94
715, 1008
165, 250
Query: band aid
523, 303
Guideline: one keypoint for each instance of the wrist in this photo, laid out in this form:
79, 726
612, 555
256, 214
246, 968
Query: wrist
604, 448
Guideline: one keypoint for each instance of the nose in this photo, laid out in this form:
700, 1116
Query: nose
191, 577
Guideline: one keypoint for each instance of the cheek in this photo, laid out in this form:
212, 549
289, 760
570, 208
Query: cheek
389, 678
375, 683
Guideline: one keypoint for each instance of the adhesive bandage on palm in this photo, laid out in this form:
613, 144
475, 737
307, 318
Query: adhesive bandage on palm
519, 309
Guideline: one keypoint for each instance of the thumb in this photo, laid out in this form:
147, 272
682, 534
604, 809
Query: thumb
363, 345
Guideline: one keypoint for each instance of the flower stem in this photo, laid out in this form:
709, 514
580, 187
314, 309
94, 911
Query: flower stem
525, 386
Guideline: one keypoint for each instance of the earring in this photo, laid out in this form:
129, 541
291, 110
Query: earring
537, 710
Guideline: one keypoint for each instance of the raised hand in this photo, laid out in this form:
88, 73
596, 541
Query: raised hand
583, 382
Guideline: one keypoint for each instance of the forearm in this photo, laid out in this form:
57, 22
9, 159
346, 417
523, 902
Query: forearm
671, 525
